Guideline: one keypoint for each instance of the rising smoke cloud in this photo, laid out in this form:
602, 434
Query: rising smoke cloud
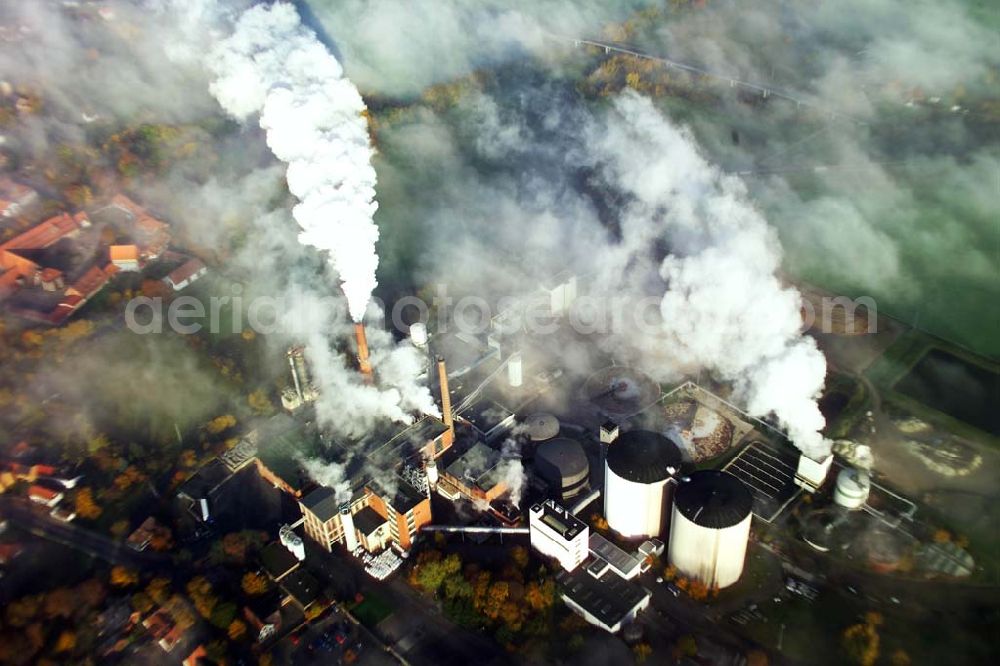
314, 121
724, 309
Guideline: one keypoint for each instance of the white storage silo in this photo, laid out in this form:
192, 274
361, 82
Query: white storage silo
431, 469
347, 524
418, 334
710, 527
853, 487
636, 470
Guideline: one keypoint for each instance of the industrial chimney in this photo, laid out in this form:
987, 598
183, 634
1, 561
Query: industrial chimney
292, 353
449, 437
364, 362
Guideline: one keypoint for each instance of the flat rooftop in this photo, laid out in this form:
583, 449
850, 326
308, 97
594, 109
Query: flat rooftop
559, 519
277, 560
322, 502
476, 466
609, 598
301, 586
620, 561
205, 481
402, 497
368, 520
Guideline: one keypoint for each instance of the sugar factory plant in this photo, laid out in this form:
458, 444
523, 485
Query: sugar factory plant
526, 445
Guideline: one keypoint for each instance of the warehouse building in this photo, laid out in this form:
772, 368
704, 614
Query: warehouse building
610, 602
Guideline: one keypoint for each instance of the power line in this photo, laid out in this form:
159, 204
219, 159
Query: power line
734, 82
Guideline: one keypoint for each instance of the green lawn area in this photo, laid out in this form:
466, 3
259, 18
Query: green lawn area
371, 611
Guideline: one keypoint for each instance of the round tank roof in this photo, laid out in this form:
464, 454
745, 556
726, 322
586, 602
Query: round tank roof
853, 482
643, 456
621, 391
542, 426
712, 498
566, 455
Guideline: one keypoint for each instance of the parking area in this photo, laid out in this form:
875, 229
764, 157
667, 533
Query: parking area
335, 639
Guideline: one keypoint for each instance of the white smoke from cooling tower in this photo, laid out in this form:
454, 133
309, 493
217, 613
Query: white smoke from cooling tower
314, 120
724, 307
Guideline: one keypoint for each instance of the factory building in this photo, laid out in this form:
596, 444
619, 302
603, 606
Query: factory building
473, 475
405, 512
609, 556
710, 527
563, 465
321, 514
607, 601
372, 530
638, 471
371, 519
557, 533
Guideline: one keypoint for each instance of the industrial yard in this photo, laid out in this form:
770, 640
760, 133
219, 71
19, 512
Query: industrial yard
429, 332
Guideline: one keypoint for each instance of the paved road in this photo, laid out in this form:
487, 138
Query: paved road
36, 520
416, 630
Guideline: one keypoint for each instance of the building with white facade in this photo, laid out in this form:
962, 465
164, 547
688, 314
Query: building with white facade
557, 533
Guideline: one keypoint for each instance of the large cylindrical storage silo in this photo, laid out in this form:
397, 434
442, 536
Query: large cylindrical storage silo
636, 471
710, 527
564, 466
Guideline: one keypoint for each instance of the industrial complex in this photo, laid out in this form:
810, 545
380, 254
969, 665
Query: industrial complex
525, 446
452, 333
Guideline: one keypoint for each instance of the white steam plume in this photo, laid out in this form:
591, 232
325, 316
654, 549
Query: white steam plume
346, 404
724, 307
313, 117
511, 470
328, 474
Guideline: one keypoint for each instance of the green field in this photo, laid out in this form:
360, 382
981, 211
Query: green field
371, 611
